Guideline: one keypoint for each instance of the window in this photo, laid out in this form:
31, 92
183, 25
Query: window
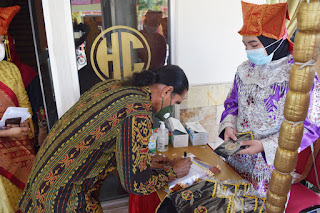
103, 53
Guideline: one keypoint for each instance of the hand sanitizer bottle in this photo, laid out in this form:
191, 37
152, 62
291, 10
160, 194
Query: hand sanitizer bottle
152, 144
162, 139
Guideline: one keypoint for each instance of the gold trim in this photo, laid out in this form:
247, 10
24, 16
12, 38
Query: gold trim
7, 48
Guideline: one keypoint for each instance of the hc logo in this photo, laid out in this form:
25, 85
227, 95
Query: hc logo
114, 53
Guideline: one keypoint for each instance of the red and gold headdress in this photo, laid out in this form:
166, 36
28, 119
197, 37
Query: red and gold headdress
267, 19
6, 16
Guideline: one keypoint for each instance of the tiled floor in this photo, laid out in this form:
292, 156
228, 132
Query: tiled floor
116, 206
117, 210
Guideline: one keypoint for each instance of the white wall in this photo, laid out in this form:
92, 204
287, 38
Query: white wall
59, 30
207, 44
204, 35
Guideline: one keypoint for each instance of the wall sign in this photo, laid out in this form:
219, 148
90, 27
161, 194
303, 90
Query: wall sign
114, 53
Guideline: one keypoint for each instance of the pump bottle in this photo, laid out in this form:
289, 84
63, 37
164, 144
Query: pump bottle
162, 139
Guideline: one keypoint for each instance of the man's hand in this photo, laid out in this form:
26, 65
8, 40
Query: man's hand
160, 162
181, 166
230, 132
255, 146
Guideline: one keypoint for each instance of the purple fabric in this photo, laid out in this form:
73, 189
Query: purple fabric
310, 135
231, 107
279, 93
313, 130
291, 61
231, 103
275, 98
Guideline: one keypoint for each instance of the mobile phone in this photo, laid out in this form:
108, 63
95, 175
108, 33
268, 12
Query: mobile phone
15, 121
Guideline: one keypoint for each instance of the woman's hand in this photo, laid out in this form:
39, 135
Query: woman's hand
255, 147
230, 132
42, 135
15, 131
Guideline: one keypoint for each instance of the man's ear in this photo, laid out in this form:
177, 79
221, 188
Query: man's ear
166, 91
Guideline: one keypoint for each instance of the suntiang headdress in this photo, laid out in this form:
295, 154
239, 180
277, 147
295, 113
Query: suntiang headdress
267, 19
6, 16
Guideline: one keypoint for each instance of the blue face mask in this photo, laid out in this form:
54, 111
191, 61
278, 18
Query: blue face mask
258, 56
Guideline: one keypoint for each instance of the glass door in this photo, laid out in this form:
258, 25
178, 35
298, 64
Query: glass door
42, 60
113, 39
27, 34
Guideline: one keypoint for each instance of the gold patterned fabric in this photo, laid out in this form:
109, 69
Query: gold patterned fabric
108, 128
16, 155
10, 195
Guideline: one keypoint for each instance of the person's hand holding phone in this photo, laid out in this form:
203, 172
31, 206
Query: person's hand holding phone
13, 121
15, 131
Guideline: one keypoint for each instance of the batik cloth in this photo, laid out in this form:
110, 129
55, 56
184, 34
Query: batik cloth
108, 128
213, 196
16, 155
256, 103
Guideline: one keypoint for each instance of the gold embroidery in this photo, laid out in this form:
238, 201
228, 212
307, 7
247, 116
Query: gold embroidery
146, 188
187, 195
141, 131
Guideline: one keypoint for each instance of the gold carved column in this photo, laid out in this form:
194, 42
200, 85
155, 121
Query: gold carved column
306, 47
